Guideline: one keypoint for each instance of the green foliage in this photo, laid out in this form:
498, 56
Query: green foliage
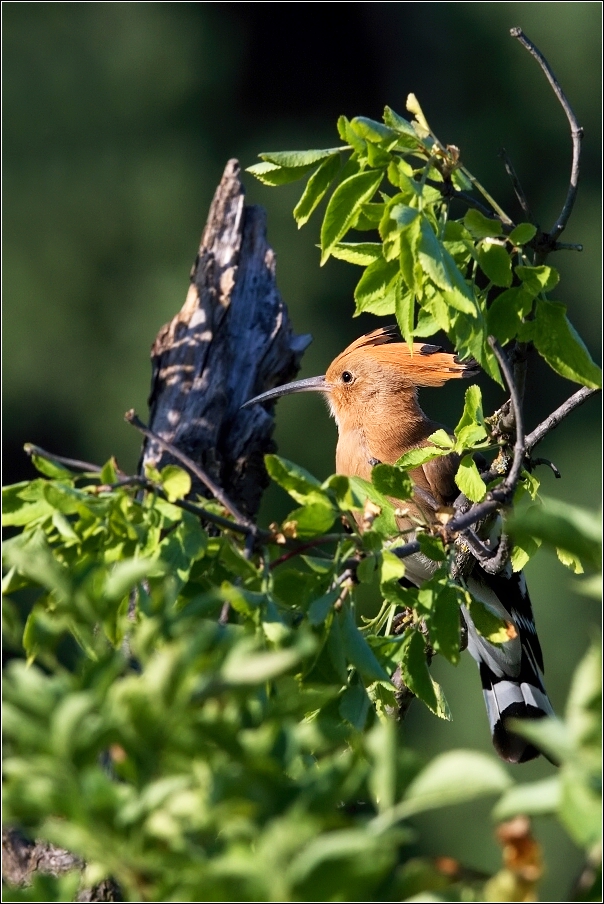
195, 757
575, 743
192, 760
429, 269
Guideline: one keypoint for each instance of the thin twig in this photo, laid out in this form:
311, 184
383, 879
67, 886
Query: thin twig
567, 246
557, 416
201, 475
328, 538
509, 484
518, 190
491, 560
449, 192
31, 450
575, 130
545, 461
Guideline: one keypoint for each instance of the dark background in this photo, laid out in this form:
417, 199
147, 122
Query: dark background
119, 118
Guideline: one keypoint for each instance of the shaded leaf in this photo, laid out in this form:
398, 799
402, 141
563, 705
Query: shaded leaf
562, 525
532, 799
392, 481
481, 227
358, 651
522, 234
560, 345
496, 264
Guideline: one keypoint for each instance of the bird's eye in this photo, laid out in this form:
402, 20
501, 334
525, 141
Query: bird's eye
347, 377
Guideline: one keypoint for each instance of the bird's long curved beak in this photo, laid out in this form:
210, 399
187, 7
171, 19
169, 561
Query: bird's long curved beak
311, 384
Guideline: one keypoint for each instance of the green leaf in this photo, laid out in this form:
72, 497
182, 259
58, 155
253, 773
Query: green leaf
354, 705
488, 625
109, 472
532, 799
443, 271
371, 130
472, 412
469, 480
444, 623
392, 481
442, 439
297, 159
580, 808
538, 279
496, 264
362, 253
522, 234
523, 552
385, 522
300, 485
34, 559
453, 778
358, 651
320, 608
392, 568
125, 575
243, 667
461, 181
560, 345
481, 227
570, 561
560, 525
505, 316
45, 887
583, 711
343, 207
411, 268
403, 215
176, 482
271, 174
316, 189
313, 519
432, 547
47, 466
376, 290
366, 570
549, 734
401, 125
404, 308
417, 457
415, 670
24, 502
369, 216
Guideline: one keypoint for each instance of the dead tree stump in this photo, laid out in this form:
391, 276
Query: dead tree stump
231, 340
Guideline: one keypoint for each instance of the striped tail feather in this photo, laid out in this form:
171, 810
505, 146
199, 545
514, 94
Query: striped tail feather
511, 673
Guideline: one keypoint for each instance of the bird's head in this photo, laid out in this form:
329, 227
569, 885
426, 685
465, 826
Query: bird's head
375, 368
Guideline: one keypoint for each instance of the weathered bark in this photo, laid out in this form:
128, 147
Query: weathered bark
231, 340
21, 857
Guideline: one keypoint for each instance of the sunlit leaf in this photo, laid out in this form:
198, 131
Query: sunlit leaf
343, 207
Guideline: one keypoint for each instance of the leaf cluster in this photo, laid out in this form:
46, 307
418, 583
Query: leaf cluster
191, 759
472, 276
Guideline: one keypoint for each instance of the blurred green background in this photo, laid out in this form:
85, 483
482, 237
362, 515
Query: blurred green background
119, 118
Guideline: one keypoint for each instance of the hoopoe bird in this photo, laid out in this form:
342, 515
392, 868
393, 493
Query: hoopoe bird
371, 389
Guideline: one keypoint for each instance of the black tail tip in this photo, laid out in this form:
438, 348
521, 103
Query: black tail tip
510, 746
